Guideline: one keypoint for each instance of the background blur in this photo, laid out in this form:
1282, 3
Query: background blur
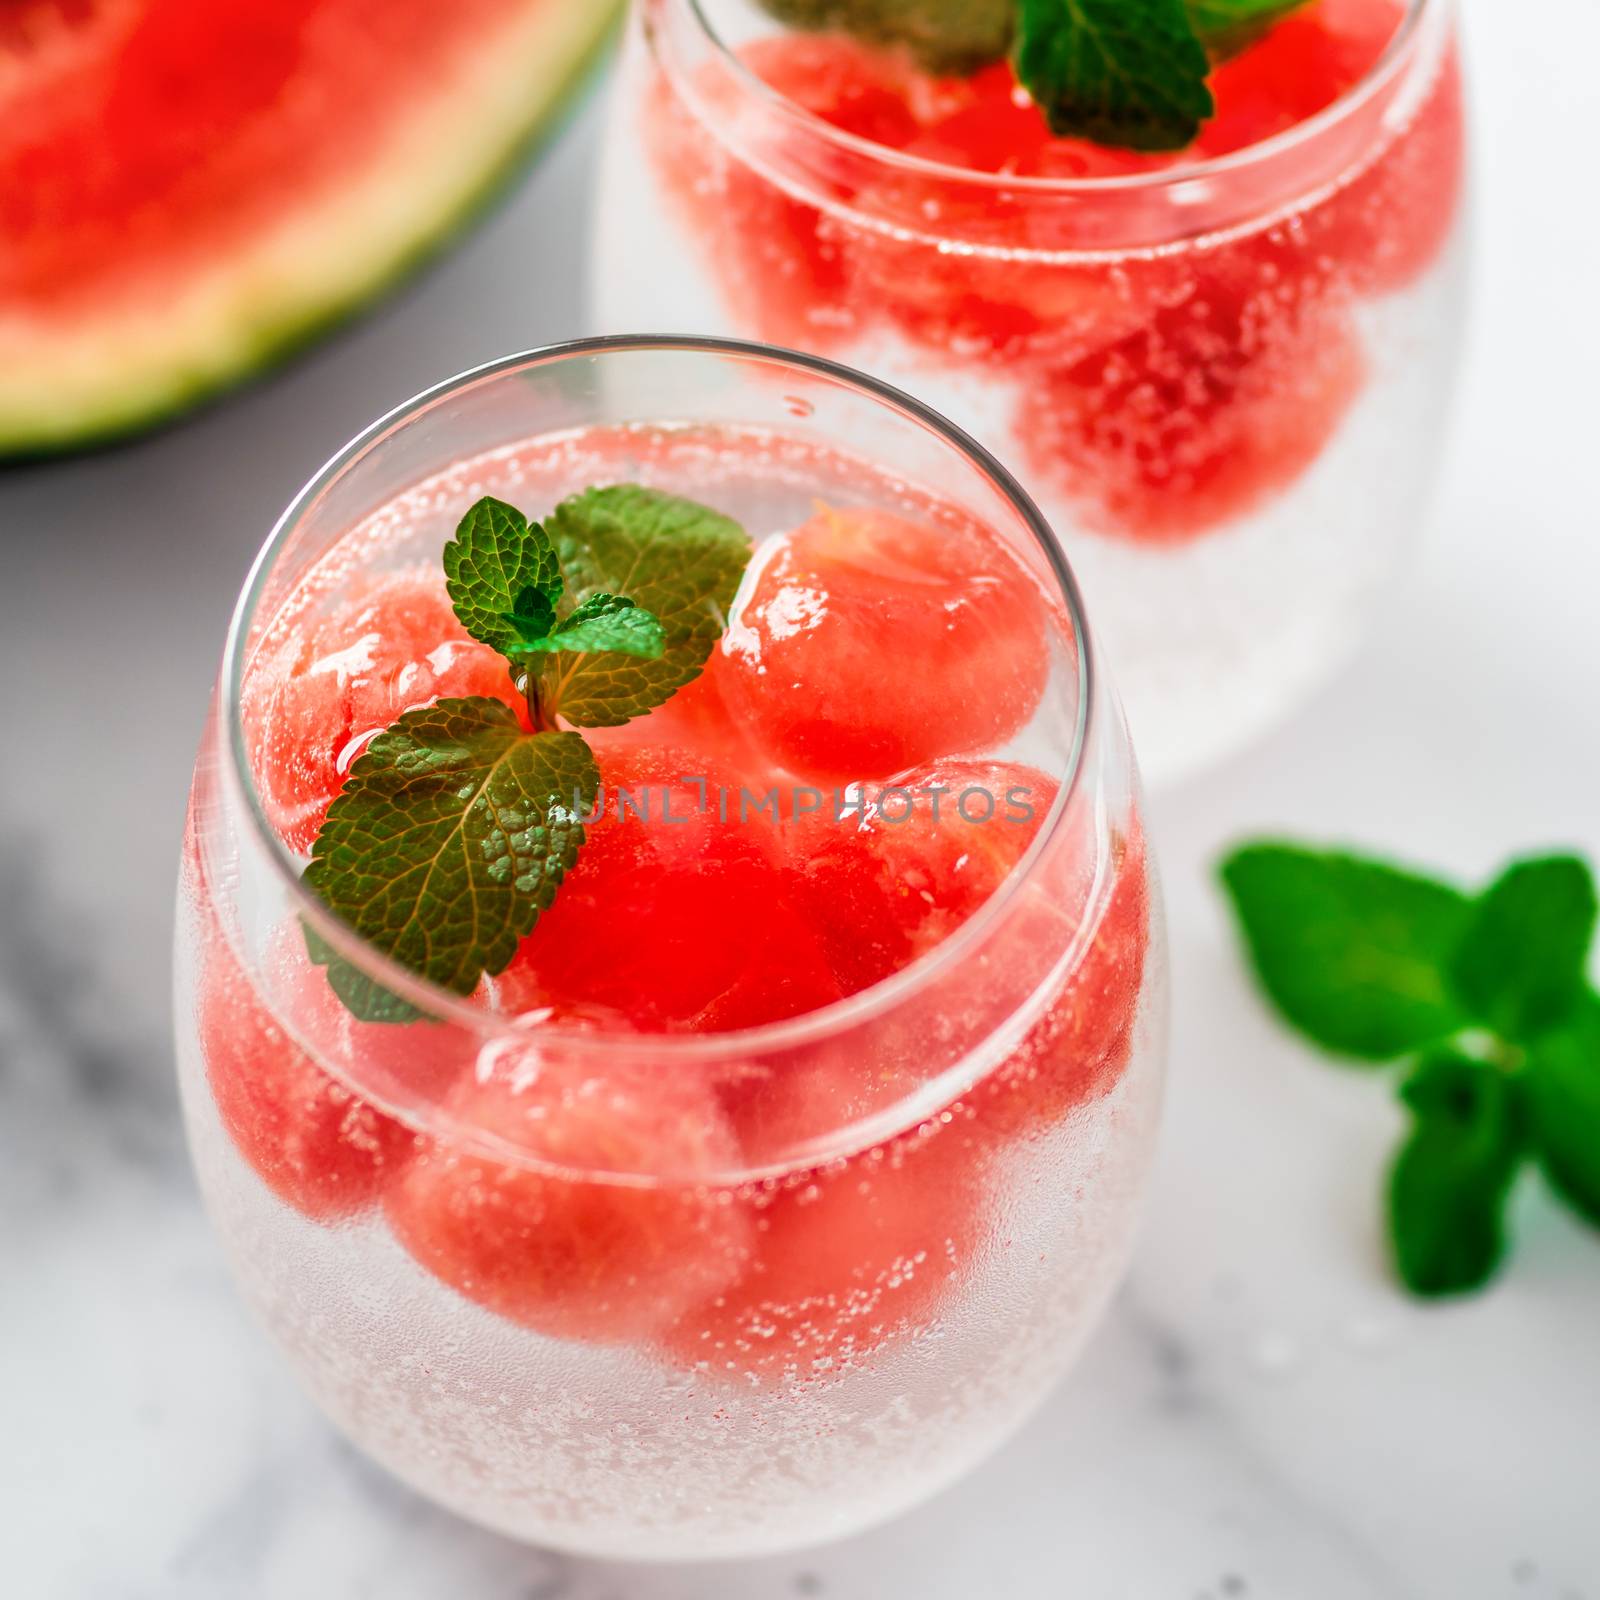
1263, 1415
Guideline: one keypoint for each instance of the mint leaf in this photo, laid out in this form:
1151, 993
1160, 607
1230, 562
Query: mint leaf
451, 835
604, 622
1354, 953
1120, 72
364, 999
1564, 1107
531, 619
494, 568
1225, 27
1448, 1187
956, 36
1520, 968
679, 561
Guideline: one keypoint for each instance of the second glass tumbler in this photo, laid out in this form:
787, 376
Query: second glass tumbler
1223, 373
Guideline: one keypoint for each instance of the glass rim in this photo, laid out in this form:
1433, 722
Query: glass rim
810, 1027
1263, 152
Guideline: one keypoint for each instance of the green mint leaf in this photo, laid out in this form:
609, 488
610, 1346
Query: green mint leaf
603, 622
1520, 968
531, 618
679, 561
451, 835
1225, 27
1449, 1184
364, 999
1120, 72
954, 36
496, 557
1354, 953
1564, 1107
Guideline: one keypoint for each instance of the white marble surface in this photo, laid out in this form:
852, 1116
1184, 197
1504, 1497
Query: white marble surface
1262, 1416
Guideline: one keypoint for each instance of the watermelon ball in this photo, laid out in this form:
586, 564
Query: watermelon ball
675, 924
870, 643
317, 1146
883, 892
848, 1260
895, 876
1300, 66
861, 91
983, 125
988, 123
1078, 1049
1217, 403
337, 669
554, 1246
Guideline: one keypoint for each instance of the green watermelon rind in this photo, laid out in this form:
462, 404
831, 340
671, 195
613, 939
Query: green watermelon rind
123, 417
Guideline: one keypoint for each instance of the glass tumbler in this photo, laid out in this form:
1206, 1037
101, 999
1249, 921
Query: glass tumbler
1224, 379
826, 1263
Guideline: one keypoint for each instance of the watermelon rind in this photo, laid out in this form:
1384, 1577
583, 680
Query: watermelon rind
103, 379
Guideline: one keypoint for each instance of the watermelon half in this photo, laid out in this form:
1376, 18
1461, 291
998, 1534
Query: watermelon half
190, 188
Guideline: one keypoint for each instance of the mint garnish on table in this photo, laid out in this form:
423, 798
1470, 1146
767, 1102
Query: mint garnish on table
1129, 73
457, 825
1487, 1000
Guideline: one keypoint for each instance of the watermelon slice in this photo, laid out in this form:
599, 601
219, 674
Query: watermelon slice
188, 191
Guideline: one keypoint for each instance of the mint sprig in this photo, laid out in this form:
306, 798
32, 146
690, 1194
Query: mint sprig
457, 825
1129, 73
1486, 995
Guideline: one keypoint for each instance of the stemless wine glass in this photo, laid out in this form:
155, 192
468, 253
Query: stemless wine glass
825, 1264
1224, 379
